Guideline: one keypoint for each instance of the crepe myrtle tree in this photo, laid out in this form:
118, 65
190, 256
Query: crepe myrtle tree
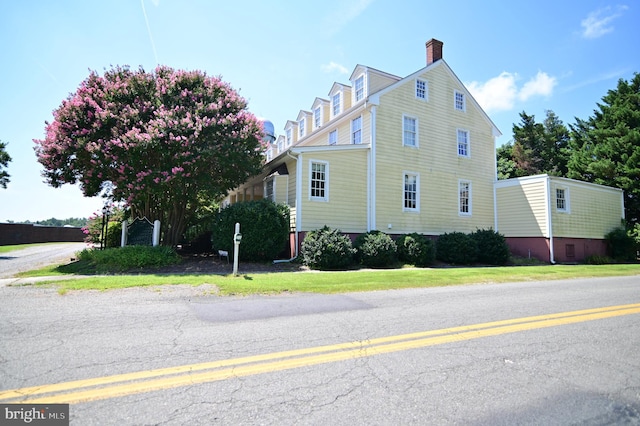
161, 142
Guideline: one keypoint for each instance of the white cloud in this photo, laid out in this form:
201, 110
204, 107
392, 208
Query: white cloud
348, 11
542, 84
501, 93
333, 66
598, 23
497, 94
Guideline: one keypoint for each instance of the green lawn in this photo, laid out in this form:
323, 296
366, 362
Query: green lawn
350, 281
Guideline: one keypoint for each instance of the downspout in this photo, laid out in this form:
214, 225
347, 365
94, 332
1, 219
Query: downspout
371, 184
549, 220
298, 198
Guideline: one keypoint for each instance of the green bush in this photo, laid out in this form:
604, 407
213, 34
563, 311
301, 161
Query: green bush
114, 234
327, 249
456, 248
264, 226
621, 245
595, 259
416, 249
492, 247
129, 257
375, 249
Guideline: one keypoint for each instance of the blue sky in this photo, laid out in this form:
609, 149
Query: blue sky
513, 56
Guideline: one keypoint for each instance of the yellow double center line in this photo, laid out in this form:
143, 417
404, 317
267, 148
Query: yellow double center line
186, 375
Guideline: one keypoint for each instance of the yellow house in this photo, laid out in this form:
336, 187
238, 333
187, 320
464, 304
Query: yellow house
396, 154
556, 219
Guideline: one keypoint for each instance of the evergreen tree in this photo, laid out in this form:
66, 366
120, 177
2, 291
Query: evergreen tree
605, 148
4, 162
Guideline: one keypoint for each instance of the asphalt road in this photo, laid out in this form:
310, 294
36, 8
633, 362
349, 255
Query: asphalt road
479, 354
37, 256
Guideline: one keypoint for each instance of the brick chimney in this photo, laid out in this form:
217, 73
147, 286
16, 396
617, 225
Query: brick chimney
434, 51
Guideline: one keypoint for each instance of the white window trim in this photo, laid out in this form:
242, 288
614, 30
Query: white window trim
460, 212
326, 180
289, 136
353, 133
406, 173
567, 201
417, 144
273, 187
468, 155
302, 128
426, 89
320, 116
464, 101
329, 137
333, 113
364, 88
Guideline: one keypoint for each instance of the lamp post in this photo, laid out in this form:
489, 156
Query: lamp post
105, 226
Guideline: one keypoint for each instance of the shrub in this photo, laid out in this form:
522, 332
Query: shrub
327, 248
416, 249
375, 249
456, 248
621, 245
114, 234
595, 259
492, 247
264, 226
129, 257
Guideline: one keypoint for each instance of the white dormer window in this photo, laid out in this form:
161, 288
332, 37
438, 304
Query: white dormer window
289, 137
281, 145
317, 117
301, 128
422, 89
460, 103
359, 88
335, 104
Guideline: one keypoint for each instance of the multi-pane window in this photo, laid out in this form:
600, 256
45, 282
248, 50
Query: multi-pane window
317, 119
356, 130
359, 86
335, 104
333, 137
281, 145
269, 193
561, 199
318, 182
289, 137
460, 101
421, 89
301, 128
410, 198
463, 143
409, 131
464, 192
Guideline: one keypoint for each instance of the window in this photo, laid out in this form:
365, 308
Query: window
463, 143
335, 104
318, 181
562, 200
409, 131
317, 117
268, 190
301, 128
421, 89
289, 137
281, 145
464, 199
356, 131
460, 103
333, 137
411, 191
359, 86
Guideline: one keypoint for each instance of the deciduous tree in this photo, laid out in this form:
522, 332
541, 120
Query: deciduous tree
160, 142
4, 162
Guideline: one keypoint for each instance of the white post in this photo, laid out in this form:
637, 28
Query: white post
156, 233
236, 242
123, 234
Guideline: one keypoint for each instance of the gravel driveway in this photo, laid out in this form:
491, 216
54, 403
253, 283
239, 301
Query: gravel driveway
37, 256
